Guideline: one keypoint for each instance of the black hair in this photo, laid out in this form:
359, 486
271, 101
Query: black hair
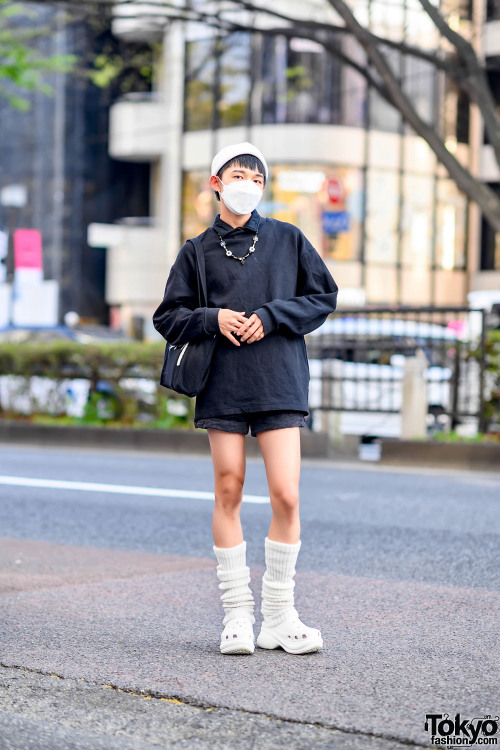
243, 160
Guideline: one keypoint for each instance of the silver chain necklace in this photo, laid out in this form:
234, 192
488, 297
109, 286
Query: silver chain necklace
229, 253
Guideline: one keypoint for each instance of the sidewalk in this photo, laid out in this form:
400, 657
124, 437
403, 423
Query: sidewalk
150, 625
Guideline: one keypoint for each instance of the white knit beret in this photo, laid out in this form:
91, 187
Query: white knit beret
229, 152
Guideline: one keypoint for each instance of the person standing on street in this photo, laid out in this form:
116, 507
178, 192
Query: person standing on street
267, 287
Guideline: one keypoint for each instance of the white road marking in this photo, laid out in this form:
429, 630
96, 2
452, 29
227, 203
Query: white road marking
119, 489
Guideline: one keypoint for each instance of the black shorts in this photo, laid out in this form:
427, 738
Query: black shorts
258, 421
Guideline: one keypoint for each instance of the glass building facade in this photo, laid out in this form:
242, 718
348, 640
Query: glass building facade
248, 79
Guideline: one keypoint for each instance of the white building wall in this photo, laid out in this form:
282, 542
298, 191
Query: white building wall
149, 129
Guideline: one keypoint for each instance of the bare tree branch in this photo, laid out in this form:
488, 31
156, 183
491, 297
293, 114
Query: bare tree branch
219, 23
476, 190
470, 76
409, 49
474, 81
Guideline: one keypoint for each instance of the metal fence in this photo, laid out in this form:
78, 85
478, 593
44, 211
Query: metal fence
357, 361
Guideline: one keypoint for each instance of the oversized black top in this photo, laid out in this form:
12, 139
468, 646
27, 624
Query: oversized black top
285, 282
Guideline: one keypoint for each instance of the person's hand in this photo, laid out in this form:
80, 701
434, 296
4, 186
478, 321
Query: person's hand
252, 329
229, 323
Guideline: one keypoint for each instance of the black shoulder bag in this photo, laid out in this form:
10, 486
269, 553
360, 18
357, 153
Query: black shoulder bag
186, 367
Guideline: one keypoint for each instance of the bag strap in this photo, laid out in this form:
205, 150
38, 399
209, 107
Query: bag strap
201, 272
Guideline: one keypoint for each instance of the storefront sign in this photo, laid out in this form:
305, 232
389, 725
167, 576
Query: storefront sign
300, 181
335, 190
335, 222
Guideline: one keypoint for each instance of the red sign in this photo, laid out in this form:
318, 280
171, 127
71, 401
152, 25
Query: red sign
335, 190
28, 248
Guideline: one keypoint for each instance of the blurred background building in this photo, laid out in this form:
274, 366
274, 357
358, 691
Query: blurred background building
367, 192
117, 183
56, 175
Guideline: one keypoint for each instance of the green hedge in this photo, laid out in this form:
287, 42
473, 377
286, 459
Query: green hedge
107, 361
70, 359
112, 361
492, 405
492, 378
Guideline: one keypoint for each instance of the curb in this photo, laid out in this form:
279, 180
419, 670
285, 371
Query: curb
313, 444
437, 454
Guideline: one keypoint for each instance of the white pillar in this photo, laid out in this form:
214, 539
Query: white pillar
331, 396
168, 200
475, 148
414, 410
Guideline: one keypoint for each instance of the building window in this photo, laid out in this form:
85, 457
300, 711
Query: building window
490, 241
312, 83
492, 10
455, 113
419, 84
451, 213
273, 73
460, 8
199, 205
281, 80
416, 221
386, 18
300, 82
383, 115
382, 217
351, 91
199, 84
493, 77
326, 203
234, 79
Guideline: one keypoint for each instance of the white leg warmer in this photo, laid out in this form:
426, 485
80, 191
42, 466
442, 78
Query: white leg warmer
234, 576
277, 583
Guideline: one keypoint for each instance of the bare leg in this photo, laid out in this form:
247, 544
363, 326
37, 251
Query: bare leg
281, 453
282, 626
228, 457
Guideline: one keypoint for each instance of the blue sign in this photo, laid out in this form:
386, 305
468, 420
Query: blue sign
335, 222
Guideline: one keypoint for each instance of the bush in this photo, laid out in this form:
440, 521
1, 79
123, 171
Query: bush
116, 365
492, 378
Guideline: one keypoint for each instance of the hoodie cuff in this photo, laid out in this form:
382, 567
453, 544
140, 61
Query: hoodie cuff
267, 321
212, 320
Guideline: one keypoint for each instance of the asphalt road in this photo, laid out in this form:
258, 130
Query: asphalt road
110, 614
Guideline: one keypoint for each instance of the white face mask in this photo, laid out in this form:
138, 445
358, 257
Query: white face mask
241, 196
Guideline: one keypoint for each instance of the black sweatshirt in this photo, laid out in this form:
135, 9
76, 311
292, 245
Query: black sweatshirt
285, 282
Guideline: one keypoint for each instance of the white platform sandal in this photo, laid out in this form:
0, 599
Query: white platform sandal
292, 635
237, 600
238, 637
